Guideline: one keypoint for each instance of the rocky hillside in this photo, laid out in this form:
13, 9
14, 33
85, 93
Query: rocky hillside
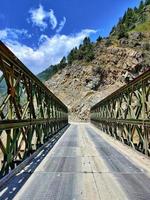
93, 71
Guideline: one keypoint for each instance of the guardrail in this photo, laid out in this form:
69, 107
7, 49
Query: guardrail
125, 114
29, 113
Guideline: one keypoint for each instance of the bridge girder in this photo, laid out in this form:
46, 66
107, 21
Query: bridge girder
125, 114
29, 113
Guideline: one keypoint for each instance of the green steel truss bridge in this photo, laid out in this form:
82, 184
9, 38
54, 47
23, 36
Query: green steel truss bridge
125, 114
29, 112
42, 156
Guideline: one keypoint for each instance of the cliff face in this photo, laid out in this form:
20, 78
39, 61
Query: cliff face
116, 61
82, 84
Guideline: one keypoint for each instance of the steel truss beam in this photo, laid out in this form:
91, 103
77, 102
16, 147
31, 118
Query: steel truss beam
125, 114
29, 113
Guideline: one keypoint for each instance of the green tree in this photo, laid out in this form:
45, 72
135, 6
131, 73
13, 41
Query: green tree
147, 2
141, 5
89, 56
86, 41
130, 19
135, 9
124, 18
63, 62
72, 55
99, 39
85, 52
113, 30
122, 31
108, 43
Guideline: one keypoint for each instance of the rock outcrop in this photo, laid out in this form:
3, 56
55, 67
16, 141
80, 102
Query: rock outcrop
122, 56
82, 84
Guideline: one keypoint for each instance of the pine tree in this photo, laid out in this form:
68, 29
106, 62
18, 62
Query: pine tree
135, 9
70, 57
122, 31
124, 18
63, 62
86, 41
113, 30
147, 2
99, 39
141, 6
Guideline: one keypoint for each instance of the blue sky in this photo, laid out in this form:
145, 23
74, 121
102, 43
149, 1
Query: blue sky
41, 32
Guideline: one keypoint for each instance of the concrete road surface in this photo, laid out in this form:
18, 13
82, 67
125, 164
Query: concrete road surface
86, 164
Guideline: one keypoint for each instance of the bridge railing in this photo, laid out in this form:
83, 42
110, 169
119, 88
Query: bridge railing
125, 114
29, 113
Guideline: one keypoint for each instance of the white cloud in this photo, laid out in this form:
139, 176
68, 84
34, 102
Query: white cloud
50, 49
13, 34
53, 19
61, 25
3, 34
39, 18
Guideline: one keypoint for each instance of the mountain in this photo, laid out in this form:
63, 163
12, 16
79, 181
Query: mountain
94, 70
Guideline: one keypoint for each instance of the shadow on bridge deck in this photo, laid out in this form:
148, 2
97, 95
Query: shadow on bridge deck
10, 189
85, 164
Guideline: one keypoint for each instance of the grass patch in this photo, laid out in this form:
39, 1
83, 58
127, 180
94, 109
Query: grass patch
145, 27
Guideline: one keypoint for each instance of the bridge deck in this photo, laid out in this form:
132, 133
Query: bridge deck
85, 164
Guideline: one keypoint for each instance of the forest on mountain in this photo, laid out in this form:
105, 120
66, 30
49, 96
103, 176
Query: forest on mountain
134, 20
